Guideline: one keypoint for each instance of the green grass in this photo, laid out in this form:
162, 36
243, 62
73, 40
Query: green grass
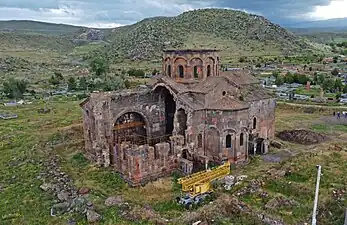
313, 91
329, 127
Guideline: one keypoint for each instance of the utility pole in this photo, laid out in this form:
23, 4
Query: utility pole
345, 223
314, 213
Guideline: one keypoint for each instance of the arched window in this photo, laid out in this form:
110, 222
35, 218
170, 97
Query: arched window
169, 70
228, 141
241, 139
254, 123
199, 140
180, 71
196, 75
208, 70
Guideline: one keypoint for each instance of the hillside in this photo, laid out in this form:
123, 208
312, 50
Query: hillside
235, 32
338, 24
25, 26
33, 42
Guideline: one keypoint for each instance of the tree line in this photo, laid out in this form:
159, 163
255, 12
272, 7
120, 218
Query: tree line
99, 80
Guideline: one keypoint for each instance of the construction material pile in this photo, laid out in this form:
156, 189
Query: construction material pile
301, 136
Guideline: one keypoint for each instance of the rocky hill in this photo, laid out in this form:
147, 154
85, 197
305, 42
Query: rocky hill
235, 32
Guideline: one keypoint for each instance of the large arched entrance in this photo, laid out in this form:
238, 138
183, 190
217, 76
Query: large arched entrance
129, 127
170, 108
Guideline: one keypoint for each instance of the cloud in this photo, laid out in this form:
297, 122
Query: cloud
106, 13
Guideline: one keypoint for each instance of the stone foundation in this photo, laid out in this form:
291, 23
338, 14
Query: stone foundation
141, 164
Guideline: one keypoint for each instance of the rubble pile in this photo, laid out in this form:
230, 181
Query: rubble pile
301, 136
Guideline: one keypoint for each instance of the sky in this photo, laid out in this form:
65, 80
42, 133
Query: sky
113, 13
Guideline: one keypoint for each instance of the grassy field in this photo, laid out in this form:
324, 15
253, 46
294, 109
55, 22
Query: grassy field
23, 145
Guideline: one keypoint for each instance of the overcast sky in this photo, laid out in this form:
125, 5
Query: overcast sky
112, 13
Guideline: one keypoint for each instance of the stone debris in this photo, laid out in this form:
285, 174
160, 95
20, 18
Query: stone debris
339, 194
279, 202
93, 216
302, 136
59, 184
83, 191
276, 144
112, 201
46, 186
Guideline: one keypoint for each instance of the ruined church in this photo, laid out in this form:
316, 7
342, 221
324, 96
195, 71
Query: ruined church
190, 115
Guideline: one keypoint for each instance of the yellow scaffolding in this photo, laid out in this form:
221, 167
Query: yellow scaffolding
200, 182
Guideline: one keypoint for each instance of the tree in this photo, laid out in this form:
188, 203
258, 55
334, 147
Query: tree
289, 78
54, 80
338, 95
113, 84
258, 65
301, 79
136, 73
99, 65
345, 89
335, 72
82, 85
279, 80
318, 78
275, 74
338, 85
58, 76
242, 59
15, 88
328, 84
154, 72
71, 83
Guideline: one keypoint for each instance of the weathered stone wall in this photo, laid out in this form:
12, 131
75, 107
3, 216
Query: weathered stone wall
102, 111
202, 59
210, 129
264, 112
144, 163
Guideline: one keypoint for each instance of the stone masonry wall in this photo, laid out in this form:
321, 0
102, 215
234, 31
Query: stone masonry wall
214, 126
141, 164
103, 111
264, 112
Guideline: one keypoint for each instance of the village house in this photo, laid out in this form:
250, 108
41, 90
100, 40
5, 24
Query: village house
189, 115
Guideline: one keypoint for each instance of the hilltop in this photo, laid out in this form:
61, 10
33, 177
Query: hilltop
236, 33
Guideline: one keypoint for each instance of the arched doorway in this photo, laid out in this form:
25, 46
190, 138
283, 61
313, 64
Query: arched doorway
170, 108
260, 146
182, 122
132, 127
129, 127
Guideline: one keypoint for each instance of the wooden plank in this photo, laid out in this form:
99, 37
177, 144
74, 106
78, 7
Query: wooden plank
128, 125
